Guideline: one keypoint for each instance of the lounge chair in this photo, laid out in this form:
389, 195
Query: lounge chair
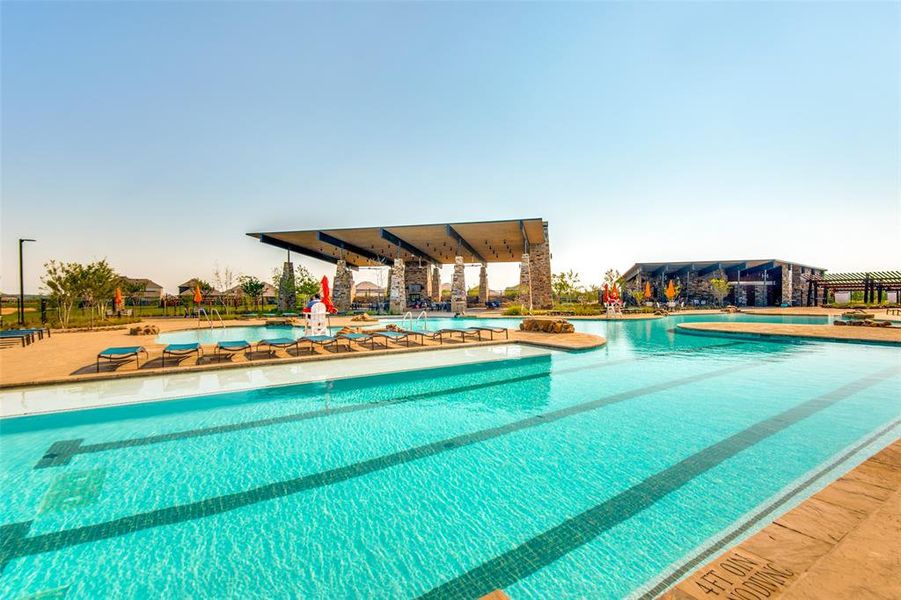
402, 335
361, 338
23, 335
119, 355
324, 340
231, 348
182, 350
461, 331
283, 343
493, 330
38, 331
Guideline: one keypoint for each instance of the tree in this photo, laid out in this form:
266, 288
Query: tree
637, 295
224, 280
304, 283
64, 282
612, 277
134, 289
565, 285
252, 288
99, 282
719, 288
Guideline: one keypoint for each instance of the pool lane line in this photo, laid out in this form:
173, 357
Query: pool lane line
707, 552
16, 545
547, 547
62, 452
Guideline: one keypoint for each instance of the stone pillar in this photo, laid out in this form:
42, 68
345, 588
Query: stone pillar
418, 274
760, 295
343, 286
436, 284
397, 291
483, 284
458, 287
287, 295
741, 297
540, 272
787, 281
525, 282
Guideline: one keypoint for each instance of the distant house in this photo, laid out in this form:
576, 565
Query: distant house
187, 286
270, 294
367, 289
152, 291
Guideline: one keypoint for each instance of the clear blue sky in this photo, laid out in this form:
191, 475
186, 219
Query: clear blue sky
157, 134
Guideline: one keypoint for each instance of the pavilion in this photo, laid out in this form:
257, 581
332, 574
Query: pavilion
416, 253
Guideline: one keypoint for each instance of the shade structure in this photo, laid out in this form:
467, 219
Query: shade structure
326, 295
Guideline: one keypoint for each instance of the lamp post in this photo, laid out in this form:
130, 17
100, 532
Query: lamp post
22, 282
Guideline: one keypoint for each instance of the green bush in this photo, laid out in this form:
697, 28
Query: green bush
514, 310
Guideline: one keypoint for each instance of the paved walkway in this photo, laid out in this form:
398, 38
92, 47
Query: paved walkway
834, 333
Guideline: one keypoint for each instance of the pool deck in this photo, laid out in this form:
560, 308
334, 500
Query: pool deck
842, 542
831, 333
69, 357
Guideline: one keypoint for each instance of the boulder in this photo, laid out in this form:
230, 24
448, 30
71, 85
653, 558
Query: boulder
547, 325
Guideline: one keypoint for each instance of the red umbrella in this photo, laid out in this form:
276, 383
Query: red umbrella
614, 293
326, 299
606, 294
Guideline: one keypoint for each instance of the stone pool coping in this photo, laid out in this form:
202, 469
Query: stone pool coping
827, 333
842, 542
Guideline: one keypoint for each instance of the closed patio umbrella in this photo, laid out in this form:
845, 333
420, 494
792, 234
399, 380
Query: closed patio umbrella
326, 298
606, 294
198, 296
117, 298
647, 290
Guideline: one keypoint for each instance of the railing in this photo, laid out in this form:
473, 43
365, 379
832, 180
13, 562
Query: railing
203, 313
424, 318
218, 316
403, 320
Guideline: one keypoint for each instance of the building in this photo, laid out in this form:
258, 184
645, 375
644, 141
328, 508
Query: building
366, 290
414, 255
760, 282
150, 291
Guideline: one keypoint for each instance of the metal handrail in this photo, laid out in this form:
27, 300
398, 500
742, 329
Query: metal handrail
403, 319
424, 316
218, 316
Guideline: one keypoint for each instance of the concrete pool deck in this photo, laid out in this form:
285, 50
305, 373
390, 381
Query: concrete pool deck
842, 542
829, 333
69, 357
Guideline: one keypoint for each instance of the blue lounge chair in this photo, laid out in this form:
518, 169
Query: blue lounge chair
403, 335
360, 338
461, 331
283, 343
23, 335
119, 355
181, 350
493, 330
231, 348
324, 340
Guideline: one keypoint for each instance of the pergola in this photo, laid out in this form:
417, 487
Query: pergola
872, 284
416, 252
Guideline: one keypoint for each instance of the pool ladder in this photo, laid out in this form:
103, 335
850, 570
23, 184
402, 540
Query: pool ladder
208, 315
423, 317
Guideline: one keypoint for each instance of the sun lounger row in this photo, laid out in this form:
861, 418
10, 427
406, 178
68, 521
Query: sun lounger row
118, 355
23, 336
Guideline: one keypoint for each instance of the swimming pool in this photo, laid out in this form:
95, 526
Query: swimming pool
597, 474
250, 333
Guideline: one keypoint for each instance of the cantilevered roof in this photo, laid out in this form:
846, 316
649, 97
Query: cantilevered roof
672, 268
437, 243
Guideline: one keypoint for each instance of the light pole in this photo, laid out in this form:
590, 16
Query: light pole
22, 282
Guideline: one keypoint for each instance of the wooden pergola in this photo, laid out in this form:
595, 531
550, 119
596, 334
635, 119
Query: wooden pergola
872, 284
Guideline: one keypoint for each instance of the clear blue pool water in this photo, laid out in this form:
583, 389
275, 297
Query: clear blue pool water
587, 475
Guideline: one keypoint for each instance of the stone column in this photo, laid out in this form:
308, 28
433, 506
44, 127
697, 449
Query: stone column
343, 286
397, 291
787, 280
287, 296
458, 287
483, 284
741, 297
436, 284
540, 272
418, 274
525, 282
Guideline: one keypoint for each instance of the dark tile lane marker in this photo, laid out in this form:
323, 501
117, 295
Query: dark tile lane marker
721, 543
62, 452
16, 545
545, 548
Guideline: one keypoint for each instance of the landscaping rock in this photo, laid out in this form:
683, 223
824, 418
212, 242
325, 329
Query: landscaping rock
547, 325
144, 330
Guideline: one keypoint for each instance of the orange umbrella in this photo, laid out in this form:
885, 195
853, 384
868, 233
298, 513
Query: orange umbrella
670, 291
117, 299
326, 299
647, 289
198, 296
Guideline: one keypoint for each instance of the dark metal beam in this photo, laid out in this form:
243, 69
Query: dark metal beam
658, 271
393, 239
271, 241
757, 269
710, 268
347, 246
459, 239
525, 236
681, 270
